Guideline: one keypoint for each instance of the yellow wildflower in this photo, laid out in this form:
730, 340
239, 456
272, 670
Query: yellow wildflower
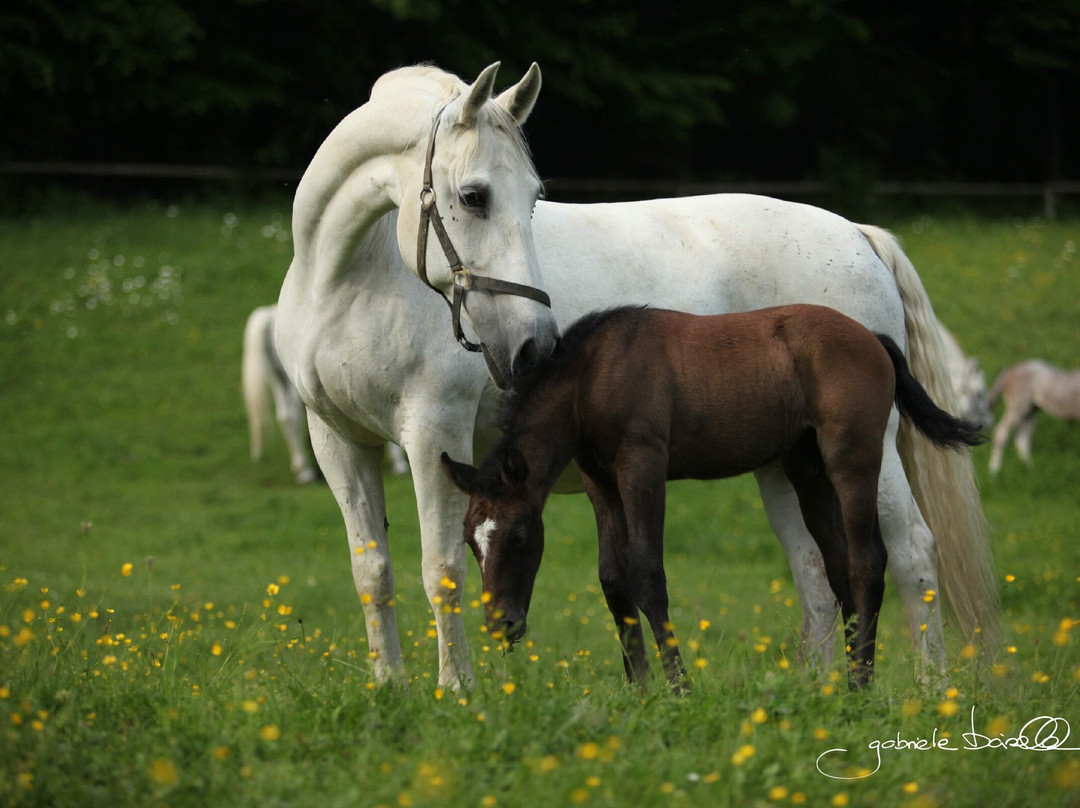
948, 708
164, 772
742, 754
270, 732
589, 751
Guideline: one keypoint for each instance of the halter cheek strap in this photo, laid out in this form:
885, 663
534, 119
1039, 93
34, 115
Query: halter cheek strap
464, 279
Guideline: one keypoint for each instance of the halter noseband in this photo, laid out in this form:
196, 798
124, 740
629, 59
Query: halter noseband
464, 279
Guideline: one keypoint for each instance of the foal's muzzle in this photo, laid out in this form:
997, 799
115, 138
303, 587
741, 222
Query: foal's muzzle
509, 630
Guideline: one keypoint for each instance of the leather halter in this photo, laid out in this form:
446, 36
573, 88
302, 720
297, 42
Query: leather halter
464, 279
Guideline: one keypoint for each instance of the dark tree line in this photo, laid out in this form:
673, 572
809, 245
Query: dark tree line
687, 89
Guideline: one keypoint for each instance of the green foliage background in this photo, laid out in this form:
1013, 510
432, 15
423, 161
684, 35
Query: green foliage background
693, 90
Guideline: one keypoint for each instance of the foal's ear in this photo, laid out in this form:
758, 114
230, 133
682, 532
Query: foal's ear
461, 474
515, 470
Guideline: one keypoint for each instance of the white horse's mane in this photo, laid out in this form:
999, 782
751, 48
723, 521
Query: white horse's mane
476, 140
473, 139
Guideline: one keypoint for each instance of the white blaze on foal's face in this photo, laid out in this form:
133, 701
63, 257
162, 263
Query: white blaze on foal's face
482, 537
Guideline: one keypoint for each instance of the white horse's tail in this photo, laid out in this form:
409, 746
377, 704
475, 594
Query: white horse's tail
943, 482
256, 371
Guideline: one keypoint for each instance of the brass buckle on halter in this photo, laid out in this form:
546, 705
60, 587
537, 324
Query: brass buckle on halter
463, 279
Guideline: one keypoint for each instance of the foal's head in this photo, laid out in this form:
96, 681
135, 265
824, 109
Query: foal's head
504, 528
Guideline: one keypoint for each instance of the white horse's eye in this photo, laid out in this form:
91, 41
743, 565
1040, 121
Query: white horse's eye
475, 197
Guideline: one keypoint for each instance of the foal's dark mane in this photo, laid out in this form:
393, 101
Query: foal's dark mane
569, 347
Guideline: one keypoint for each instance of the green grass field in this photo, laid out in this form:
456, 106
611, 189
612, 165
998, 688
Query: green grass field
178, 625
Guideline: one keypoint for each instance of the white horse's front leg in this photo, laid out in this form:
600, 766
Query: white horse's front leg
354, 474
820, 609
442, 513
912, 560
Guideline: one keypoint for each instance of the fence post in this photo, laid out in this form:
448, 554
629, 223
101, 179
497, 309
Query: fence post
1049, 203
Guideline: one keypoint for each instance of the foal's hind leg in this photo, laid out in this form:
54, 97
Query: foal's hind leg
851, 451
856, 490
820, 511
615, 578
839, 505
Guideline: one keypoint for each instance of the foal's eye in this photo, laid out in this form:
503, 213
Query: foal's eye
475, 198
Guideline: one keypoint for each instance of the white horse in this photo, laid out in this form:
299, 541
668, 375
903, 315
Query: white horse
968, 381
261, 374
1028, 388
368, 346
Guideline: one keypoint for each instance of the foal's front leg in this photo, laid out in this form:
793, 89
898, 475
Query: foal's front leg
644, 490
614, 579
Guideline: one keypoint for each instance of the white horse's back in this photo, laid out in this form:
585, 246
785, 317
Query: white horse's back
729, 252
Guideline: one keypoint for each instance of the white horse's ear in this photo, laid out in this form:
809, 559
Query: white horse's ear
520, 99
478, 94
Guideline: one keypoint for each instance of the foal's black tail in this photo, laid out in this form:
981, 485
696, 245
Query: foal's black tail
941, 428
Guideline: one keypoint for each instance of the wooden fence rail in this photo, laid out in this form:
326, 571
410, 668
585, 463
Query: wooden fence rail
580, 187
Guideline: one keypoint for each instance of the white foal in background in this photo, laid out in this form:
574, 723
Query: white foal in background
262, 377
369, 347
1026, 389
